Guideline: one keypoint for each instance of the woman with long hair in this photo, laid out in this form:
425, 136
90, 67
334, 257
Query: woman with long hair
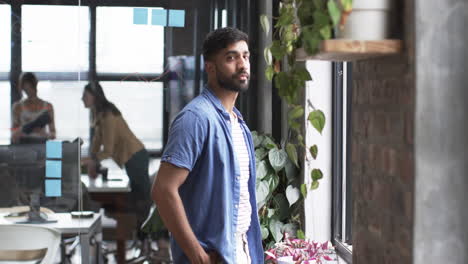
113, 139
33, 118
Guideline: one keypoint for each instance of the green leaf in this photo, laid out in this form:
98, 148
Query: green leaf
271, 212
311, 39
292, 153
303, 74
334, 12
268, 143
317, 119
277, 50
262, 193
267, 55
347, 5
278, 158
320, 19
293, 194
304, 190
273, 182
269, 72
257, 139
300, 234
291, 171
315, 185
316, 174
281, 204
326, 32
265, 24
260, 153
296, 112
318, 4
275, 229
282, 82
265, 232
314, 151
262, 170
286, 16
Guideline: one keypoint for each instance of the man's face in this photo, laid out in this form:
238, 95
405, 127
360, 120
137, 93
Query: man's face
232, 67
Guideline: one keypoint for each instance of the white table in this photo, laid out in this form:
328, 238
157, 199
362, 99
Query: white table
117, 183
112, 192
85, 228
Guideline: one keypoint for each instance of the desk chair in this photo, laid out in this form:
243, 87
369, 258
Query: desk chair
28, 242
152, 225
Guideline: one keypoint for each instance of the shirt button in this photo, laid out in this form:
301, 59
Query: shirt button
238, 178
237, 206
168, 158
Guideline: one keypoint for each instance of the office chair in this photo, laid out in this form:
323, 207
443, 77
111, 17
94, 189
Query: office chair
148, 251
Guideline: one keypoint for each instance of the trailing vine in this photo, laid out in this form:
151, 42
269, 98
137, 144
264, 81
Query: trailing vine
280, 191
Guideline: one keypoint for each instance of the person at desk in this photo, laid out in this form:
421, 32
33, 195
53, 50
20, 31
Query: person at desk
114, 139
33, 118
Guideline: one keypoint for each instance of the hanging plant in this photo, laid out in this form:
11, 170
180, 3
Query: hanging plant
280, 194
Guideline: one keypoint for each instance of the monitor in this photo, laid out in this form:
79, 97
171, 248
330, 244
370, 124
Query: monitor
26, 180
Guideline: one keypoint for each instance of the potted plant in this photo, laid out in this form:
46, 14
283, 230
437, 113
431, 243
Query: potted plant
301, 251
369, 19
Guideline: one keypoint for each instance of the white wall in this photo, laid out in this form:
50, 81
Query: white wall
318, 202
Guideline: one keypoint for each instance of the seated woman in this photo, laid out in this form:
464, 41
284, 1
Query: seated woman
33, 118
118, 142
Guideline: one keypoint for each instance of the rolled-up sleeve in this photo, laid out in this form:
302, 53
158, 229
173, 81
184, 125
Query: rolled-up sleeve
187, 137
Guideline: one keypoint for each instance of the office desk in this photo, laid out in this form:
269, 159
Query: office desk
113, 196
85, 228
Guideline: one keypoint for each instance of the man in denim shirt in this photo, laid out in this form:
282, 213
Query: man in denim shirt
205, 187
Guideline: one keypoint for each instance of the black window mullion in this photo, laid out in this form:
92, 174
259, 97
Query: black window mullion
15, 67
337, 150
349, 92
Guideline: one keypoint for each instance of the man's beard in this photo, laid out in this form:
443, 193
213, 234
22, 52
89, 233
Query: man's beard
231, 83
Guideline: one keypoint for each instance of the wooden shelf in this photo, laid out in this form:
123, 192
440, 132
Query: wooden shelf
350, 50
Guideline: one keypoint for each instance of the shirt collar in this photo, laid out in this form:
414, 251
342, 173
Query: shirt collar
219, 106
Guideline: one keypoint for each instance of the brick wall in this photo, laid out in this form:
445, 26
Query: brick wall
383, 112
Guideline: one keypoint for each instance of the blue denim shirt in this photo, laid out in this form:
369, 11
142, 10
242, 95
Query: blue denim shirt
200, 140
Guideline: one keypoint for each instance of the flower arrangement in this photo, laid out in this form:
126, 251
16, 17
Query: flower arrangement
300, 251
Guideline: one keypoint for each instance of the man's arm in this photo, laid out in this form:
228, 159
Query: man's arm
165, 194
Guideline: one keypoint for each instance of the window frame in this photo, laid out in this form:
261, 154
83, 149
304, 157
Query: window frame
91, 74
341, 238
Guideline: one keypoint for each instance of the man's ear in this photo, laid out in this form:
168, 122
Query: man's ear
209, 66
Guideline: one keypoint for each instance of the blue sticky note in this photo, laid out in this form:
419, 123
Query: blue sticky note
159, 17
53, 169
53, 188
176, 18
54, 149
140, 16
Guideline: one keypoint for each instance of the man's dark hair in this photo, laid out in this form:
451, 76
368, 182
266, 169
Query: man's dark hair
220, 39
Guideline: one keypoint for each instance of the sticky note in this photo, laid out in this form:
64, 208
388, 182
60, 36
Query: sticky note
54, 149
53, 169
53, 188
159, 17
140, 16
176, 18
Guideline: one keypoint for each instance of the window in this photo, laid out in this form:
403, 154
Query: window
123, 47
5, 38
341, 193
141, 104
71, 117
5, 113
5, 61
55, 38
